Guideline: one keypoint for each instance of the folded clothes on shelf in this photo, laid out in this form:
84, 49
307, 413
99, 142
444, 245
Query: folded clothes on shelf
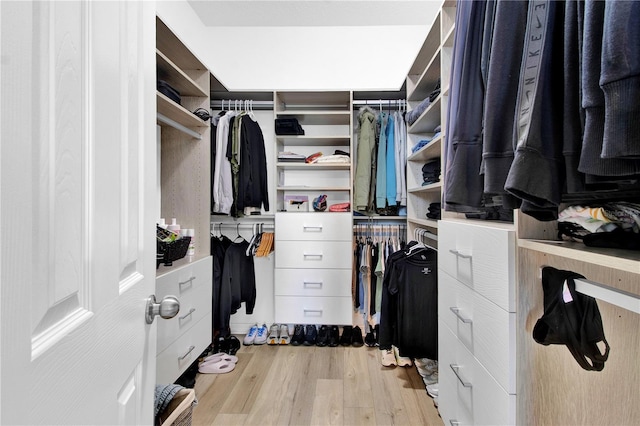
424, 142
291, 157
340, 207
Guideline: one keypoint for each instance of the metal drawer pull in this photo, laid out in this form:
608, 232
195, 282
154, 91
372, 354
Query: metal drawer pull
312, 255
462, 255
454, 422
313, 311
188, 314
318, 227
191, 348
189, 281
456, 311
455, 367
317, 284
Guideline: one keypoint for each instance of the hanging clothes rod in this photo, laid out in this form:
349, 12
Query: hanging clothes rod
220, 104
166, 120
376, 102
238, 225
230, 104
621, 298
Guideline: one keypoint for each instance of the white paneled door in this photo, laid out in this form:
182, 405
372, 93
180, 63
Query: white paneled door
77, 215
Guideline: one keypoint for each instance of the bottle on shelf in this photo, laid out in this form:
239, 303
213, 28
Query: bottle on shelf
174, 226
192, 244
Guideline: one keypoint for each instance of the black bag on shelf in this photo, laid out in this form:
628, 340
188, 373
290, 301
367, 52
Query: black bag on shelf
166, 89
288, 126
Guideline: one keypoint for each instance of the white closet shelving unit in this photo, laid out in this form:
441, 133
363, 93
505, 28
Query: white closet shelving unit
432, 63
313, 258
490, 295
326, 120
184, 170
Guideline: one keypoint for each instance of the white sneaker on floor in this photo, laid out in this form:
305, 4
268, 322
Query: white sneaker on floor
431, 378
250, 337
426, 366
261, 335
402, 361
432, 390
388, 358
284, 335
273, 335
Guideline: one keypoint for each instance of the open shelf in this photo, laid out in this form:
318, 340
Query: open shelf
313, 166
434, 187
623, 260
429, 119
430, 151
178, 113
178, 79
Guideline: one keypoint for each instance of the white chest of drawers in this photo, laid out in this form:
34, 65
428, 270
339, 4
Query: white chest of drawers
313, 268
476, 323
182, 338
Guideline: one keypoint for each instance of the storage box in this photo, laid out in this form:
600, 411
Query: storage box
296, 203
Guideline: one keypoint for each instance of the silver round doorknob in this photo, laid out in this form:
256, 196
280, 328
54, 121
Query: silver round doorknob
168, 307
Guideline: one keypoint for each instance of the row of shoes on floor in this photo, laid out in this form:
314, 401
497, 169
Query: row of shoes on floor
308, 335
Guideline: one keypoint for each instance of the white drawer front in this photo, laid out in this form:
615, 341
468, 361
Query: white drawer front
480, 397
184, 280
485, 329
314, 226
313, 310
447, 387
193, 307
482, 257
314, 254
313, 282
174, 360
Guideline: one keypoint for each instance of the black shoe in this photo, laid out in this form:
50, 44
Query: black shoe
376, 334
221, 345
334, 336
310, 335
233, 344
298, 335
345, 339
369, 339
323, 336
356, 337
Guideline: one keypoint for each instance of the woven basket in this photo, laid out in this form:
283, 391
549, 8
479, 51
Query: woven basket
180, 409
168, 252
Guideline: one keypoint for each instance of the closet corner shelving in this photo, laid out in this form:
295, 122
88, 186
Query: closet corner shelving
184, 170
431, 64
184, 72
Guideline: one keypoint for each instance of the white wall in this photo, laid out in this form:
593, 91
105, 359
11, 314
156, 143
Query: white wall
299, 58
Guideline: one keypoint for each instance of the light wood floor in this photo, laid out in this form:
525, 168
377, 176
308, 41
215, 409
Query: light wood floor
300, 385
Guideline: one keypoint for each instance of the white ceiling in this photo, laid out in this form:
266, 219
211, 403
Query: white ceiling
284, 13
265, 45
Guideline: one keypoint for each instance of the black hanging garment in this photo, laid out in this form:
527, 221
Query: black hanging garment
572, 319
409, 311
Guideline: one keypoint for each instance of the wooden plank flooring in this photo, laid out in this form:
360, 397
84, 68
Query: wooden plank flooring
309, 385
